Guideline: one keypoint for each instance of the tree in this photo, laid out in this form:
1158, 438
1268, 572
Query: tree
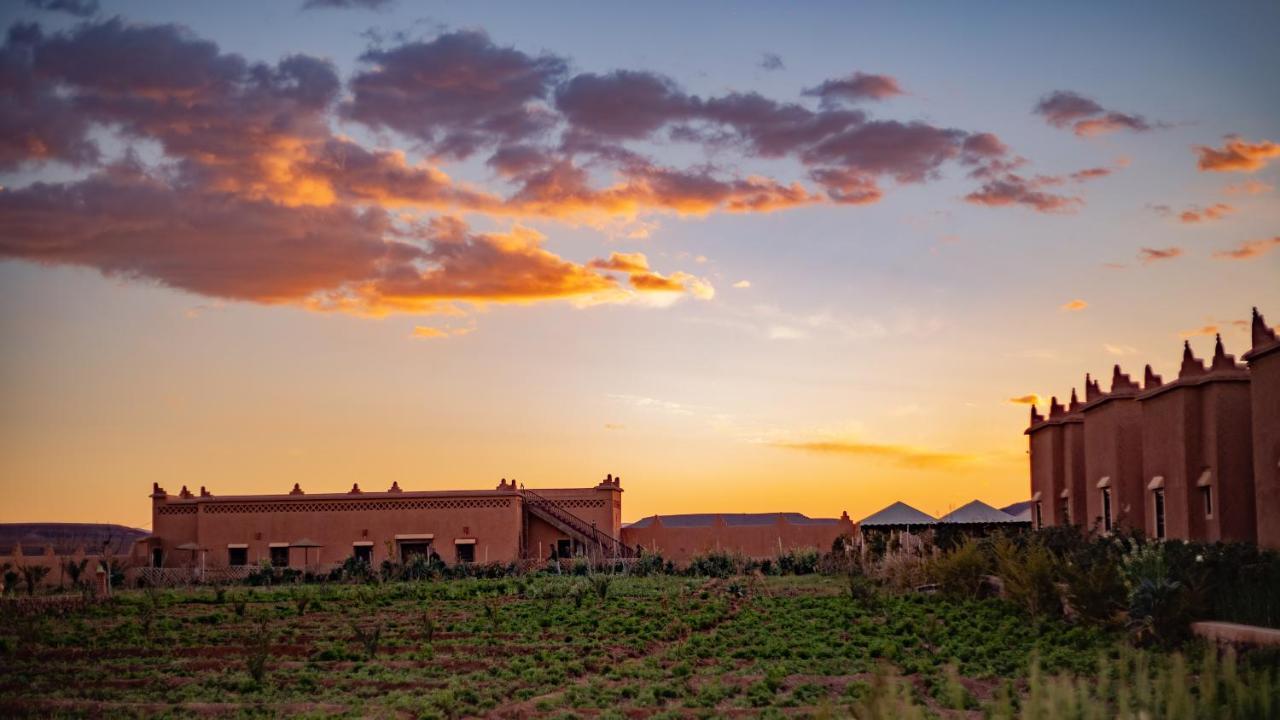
32, 575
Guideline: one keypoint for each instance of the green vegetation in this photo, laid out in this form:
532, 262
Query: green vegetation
1045, 625
611, 646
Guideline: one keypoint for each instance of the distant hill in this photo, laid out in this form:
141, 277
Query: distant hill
66, 537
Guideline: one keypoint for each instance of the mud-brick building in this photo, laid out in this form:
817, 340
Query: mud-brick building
1196, 458
754, 535
295, 529
1264, 396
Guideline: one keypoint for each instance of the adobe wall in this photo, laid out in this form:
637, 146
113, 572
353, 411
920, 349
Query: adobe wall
1113, 449
1228, 453
57, 576
1264, 369
1073, 469
1046, 471
490, 518
1170, 450
681, 544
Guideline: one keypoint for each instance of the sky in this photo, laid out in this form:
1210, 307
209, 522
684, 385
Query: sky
807, 258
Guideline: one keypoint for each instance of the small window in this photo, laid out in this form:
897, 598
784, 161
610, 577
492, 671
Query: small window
237, 556
1039, 516
157, 558
1064, 512
466, 553
280, 556
363, 553
1206, 493
564, 548
416, 547
1158, 495
1106, 509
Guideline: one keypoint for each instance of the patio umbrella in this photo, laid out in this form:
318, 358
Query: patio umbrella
306, 545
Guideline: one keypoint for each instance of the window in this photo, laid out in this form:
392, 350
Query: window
564, 548
363, 553
1158, 495
280, 556
466, 552
1039, 516
157, 558
1106, 509
409, 548
1206, 492
1064, 512
237, 556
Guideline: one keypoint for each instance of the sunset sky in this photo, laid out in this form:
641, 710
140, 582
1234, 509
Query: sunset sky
748, 256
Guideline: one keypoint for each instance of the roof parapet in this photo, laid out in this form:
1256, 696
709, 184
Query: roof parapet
1120, 381
1151, 380
1191, 365
1221, 360
1055, 408
1262, 333
1091, 389
1075, 402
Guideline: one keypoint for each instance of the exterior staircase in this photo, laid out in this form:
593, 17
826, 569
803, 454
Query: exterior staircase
597, 542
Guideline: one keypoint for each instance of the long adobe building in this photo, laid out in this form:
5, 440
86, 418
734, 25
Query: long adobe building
1195, 458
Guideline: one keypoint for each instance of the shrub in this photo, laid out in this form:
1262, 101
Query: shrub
258, 651
962, 573
798, 562
1029, 575
1161, 607
717, 564
368, 637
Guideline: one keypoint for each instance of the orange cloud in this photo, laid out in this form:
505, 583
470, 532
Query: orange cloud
1248, 187
904, 455
1204, 330
1150, 255
1075, 305
1249, 249
1032, 399
1237, 155
1217, 211
742, 284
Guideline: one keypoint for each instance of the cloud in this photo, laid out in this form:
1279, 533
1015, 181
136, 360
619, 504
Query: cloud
855, 88
457, 93
771, 62
1196, 214
79, 8
1032, 399
742, 284
1065, 109
1075, 305
347, 4
1200, 331
904, 455
1248, 187
1237, 155
1149, 255
1016, 190
427, 332
1249, 249
1120, 350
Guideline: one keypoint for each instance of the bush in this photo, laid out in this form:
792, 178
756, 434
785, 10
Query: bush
1161, 607
717, 564
1029, 574
962, 573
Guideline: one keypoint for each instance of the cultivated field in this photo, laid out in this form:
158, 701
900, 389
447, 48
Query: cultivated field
595, 646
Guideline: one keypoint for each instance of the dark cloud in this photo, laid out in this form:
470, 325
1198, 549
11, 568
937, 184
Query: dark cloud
624, 104
1065, 109
79, 8
771, 62
857, 87
1014, 189
1149, 255
347, 4
458, 92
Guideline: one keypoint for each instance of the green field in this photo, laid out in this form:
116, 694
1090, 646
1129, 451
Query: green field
596, 646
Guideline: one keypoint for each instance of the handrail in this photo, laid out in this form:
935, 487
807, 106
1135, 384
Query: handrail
582, 526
